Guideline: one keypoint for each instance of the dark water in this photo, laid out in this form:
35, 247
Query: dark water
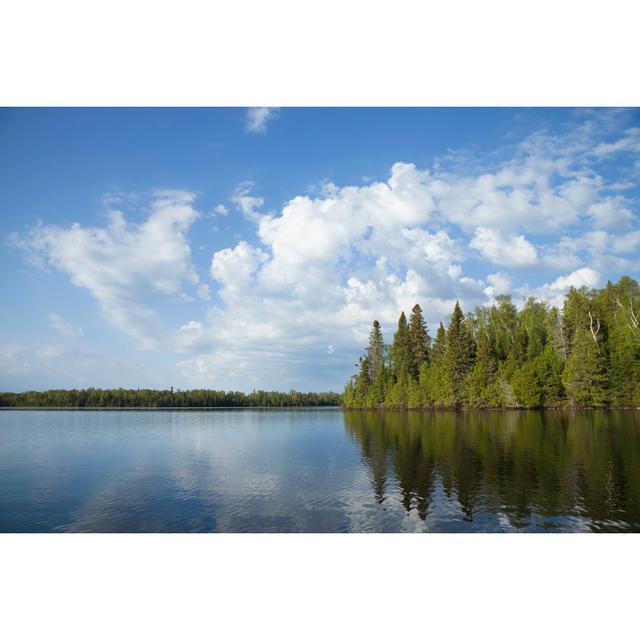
319, 470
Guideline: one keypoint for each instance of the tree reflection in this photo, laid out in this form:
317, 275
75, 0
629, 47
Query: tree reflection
537, 469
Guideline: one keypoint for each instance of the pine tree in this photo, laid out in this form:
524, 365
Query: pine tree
419, 340
375, 350
459, 354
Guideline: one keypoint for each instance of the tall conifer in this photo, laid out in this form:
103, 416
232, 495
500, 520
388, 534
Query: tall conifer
458, 357
419, 340
375, 350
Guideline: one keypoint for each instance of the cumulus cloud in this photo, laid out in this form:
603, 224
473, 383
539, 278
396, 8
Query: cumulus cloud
125, 265
507, 251
57, 322
259, 117
554, 292
499, 283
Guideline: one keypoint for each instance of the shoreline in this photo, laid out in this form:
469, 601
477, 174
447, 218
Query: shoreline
334, 407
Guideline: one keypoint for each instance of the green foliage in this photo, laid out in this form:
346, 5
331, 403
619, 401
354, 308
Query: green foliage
419, 341
398, 394
376, 392
400, 352
415, 396
483, 389
363, 382
459, 354
588, 354
375, 350
584, 375
154, 398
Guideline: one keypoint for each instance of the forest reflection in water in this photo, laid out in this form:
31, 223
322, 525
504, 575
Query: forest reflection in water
539, 470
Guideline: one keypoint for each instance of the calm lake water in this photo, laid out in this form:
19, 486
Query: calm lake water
319, 470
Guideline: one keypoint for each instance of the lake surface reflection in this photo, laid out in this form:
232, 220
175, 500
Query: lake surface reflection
319, 470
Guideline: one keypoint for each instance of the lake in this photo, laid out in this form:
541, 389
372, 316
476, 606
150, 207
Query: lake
319, 470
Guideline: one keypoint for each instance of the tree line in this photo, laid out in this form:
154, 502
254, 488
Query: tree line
154, 398
585, 354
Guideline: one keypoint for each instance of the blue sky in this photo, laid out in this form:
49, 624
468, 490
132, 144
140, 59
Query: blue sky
252, 248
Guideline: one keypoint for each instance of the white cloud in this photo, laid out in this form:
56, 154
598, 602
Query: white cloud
627, 243
610, 213
57, 322
259, 117
507, 251
126, 265
630, 142
555, 291
499, 283
220, 210
246, 203
581, 278
234, 268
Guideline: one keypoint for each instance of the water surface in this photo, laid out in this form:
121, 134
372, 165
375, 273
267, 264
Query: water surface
319, 470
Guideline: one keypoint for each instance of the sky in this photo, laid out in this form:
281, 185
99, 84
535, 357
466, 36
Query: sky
251, 248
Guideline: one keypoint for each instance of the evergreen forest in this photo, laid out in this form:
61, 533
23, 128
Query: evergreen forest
586, 354
154, 398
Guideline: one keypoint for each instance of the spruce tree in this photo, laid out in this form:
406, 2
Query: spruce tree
440, 343
482, 384
584, 375
419, 340
503, 318
434, 381
549, 367
459, 354
375, 350
401, 350
377, 390
623, 301
348, 397
363, 382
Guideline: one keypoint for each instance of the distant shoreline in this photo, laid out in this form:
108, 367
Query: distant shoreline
333, 407
265, 408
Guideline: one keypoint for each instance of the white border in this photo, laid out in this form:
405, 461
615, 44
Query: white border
335, 52
319, 586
